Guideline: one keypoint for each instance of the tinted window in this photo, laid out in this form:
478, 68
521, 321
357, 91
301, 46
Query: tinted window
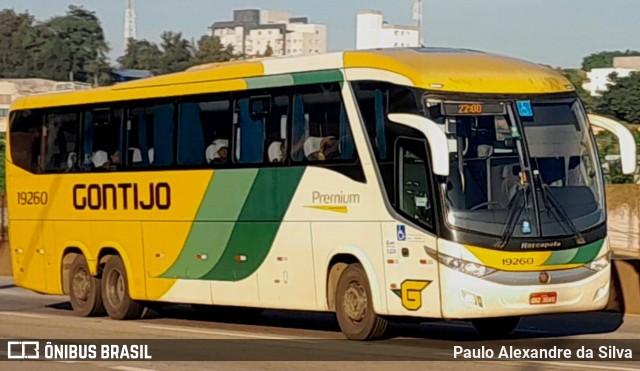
204, 131
321, 130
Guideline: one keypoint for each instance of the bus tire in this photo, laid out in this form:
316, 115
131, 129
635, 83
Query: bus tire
85, 291
115, 292
354, 307
495, 327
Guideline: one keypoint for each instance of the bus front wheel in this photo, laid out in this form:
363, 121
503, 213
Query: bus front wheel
354, 307
84, 290
496, 327
115, 291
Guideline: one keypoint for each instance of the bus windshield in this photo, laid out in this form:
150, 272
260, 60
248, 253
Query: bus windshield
519, 168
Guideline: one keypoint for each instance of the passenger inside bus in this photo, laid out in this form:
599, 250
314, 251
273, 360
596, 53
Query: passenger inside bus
217, 152
275, 152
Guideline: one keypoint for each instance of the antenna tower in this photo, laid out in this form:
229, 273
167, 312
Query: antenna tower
129, 23
418, 17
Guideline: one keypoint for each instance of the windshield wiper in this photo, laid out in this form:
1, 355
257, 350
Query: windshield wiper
515, 210
556, 209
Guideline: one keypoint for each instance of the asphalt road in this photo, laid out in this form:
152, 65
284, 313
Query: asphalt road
278, 340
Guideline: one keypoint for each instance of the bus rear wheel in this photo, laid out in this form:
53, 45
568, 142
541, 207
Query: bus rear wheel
115, 292
495, 327
85, 292
354, 307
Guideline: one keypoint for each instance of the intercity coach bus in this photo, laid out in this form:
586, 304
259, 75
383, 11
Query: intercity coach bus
379, 184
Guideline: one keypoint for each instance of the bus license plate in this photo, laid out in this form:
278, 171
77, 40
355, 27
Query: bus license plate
543, 298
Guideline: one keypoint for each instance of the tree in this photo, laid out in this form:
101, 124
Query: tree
211, 50
605, 59
577, 78
141, 55
15, 32
622, 100
84, 42
177, 53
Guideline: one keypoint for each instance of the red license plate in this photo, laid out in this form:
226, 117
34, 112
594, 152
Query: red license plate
543, 298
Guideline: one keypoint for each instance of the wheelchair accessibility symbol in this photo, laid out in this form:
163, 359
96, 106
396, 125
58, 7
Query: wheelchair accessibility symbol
402, 233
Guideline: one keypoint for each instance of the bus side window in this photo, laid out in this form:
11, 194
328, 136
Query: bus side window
414, 182
61, 134
261, 128
26, 139
102, 139
204, 130
321, 131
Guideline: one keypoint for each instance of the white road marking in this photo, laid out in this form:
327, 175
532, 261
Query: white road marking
127, 368
20, 314
226, 333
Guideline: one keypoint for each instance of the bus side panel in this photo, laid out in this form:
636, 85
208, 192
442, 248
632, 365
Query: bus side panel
412, 280
286, 278
28, 255
163, 244
126, 238
53, 264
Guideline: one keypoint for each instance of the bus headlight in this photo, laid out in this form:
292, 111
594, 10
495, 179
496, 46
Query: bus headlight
600, 263
461, 265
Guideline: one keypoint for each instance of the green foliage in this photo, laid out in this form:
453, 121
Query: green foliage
605, 59
63, 45
622, 100
211, 50
577, 78
141, 55
177, 53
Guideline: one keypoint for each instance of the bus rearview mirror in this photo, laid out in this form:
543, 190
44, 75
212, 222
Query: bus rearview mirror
625, 139
435, 136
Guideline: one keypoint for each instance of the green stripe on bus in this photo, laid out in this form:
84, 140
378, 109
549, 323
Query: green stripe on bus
561, 257
212, 229
269, 81
304, 78
588, 253
258, 224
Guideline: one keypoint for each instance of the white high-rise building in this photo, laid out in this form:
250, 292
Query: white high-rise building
253, 30
373, 32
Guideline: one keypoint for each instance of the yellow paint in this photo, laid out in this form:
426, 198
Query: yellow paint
516, 261
227, 77
463, 72
411, 293
335, 208
136, 234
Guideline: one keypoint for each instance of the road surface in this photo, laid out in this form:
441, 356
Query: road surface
293, 336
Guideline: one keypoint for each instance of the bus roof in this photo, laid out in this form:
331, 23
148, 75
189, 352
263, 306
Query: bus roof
439, 69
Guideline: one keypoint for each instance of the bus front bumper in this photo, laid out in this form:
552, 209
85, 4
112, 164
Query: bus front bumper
521, 293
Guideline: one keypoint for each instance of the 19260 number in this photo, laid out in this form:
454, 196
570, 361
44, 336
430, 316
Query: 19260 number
33, 198
517, 261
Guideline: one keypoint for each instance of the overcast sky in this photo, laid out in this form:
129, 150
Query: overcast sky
555, 32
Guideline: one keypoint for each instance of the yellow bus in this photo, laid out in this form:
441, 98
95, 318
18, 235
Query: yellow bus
379, 185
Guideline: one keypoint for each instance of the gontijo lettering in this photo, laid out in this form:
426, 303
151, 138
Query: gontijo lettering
122, 196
